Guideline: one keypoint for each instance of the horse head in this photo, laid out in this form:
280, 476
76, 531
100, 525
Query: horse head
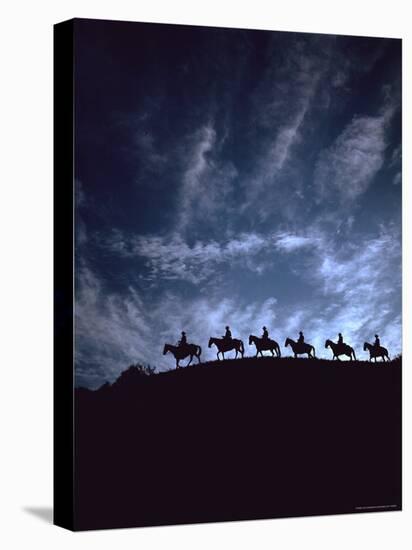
210, 342
366, 346
165, 349
251, 339
288, 341
328, 343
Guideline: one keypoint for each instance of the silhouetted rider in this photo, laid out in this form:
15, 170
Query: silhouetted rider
340, 339
228, 335
301, 339
265, 335
377, 343
183, 341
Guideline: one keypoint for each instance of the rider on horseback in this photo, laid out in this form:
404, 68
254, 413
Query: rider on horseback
340, 339
377, 342
265, 335
183, 341
301, 339
228, 335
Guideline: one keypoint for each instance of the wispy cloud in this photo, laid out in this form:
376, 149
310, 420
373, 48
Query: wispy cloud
173, 258
151, 160
281, 110
291, 241
206, 180
359, 285
111, 329
347, 168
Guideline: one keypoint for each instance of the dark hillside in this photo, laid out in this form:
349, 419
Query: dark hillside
244, 439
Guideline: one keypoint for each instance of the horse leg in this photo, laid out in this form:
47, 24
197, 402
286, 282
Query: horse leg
177, 364
190, 360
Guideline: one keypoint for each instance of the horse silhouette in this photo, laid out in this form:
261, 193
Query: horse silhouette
340, 349
181, 352
224, 345
263, 344
300, 349
375, 351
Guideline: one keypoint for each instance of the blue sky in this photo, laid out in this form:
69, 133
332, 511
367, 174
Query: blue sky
233, 177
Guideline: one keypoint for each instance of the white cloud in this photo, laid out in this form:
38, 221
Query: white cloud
361, 286
111, 330
347, 168
206, 179
151, 159
279, 151
197, 165
289, 242
397, 179
282, 103
396, 157
172, 258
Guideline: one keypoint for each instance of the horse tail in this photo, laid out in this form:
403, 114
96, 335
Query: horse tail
278, 350
354, 355
242, 349
199, 351
314, 353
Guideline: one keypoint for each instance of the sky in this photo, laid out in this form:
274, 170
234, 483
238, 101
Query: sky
233, 177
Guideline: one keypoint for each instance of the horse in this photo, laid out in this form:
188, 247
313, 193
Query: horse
264, 345
340, 349
375, 351
224, 345
300, 349
180, 352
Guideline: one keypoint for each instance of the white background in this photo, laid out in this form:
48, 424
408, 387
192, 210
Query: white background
26, 274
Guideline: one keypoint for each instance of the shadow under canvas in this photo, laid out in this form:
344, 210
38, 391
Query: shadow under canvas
44, 513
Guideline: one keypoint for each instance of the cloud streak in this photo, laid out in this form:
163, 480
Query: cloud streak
173, 258
347, 168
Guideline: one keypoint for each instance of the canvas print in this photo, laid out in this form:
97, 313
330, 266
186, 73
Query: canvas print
237, 330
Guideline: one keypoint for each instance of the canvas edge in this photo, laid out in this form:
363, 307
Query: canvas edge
63, 277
